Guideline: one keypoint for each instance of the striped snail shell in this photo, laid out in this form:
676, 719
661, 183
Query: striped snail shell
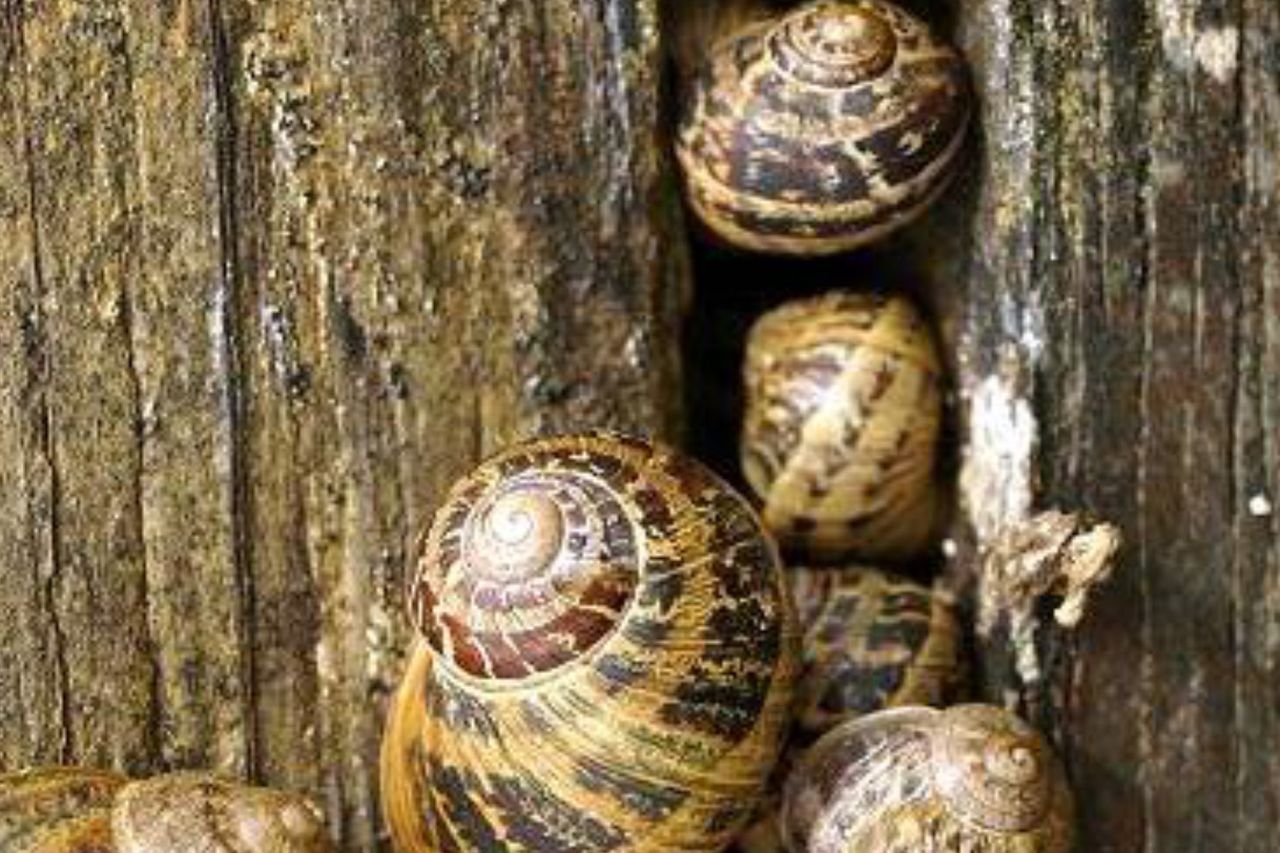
608, 662
823, 130
871, 641
77, 810
972, 777
843, 414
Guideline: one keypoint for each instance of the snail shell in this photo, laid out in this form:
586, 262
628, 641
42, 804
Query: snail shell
58, 810
608, 661
823, 130
77, 810
843, 414
973, 777
871, 641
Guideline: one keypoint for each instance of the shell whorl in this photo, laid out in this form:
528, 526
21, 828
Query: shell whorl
872, 641
58, 808
833, 45
530, 565
660, 731
972, 777
823, 130
995, 770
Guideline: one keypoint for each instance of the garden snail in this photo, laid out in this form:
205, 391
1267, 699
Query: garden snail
843, 413
823, 130
608, 662
871, 641
77, 810
972, 777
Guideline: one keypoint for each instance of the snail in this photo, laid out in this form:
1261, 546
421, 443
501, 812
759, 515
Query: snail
824, 129
972, 777
78, 810
607, 662
871, 641
843, 414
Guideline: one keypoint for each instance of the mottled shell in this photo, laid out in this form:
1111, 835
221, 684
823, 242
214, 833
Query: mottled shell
823, 130
58, 810
608, 662
77, 810
973, 778
871, 641
188, 811
843, 413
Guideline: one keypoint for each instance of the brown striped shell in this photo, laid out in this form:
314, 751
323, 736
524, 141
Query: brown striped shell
823, 130
972, 777
871, 641
77, 810
608, 662
843, 414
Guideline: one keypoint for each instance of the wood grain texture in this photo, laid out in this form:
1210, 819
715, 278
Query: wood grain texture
275, 274
1116, 341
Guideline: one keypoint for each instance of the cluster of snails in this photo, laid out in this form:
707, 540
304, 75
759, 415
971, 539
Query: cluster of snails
612, 655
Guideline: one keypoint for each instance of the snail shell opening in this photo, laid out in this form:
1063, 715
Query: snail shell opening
995, 771
531, 566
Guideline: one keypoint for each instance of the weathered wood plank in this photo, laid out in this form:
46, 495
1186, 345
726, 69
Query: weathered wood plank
81, 155
286, 271
1121, 261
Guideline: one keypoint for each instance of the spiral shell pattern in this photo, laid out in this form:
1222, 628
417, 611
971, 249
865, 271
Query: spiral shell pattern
992, 768
843, 414
529, 571
971, 778
651, 708
824, 130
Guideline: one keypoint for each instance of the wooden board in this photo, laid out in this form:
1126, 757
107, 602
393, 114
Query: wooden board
274, 275
1116, 250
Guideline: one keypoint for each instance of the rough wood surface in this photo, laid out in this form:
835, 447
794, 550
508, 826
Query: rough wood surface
274, 274
1117, 335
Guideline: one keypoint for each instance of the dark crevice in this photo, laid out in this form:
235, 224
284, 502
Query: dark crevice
228, 301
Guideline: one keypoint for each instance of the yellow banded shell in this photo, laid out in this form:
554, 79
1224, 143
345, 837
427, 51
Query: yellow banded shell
843, 415
608, 658
823, 130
